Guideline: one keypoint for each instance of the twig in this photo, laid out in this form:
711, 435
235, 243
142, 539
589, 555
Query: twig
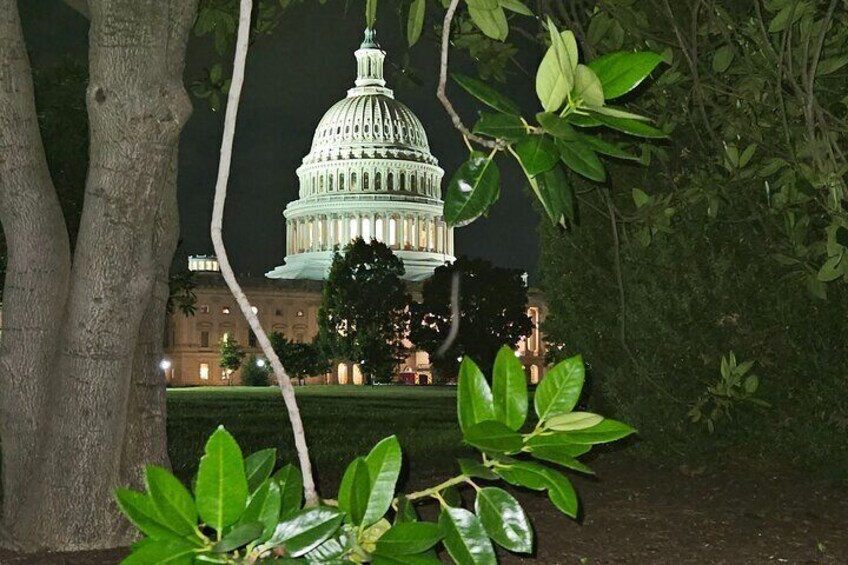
455, 315
224, 262
443, 79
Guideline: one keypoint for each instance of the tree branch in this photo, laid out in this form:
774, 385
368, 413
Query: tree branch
443, 79
286, 388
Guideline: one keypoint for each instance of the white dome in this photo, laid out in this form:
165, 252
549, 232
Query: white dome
368, 174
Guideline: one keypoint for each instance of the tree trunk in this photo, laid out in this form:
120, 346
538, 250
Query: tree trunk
103, 413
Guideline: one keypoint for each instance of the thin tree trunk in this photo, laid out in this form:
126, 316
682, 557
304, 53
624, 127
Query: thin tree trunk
37, 272
137, 107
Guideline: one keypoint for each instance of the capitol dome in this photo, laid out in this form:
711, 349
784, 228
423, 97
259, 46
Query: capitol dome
369, 174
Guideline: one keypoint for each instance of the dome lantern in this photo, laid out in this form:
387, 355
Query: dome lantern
369, 174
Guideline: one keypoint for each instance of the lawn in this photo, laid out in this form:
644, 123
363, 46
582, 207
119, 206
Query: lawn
342, 422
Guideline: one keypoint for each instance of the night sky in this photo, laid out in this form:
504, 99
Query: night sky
293, 77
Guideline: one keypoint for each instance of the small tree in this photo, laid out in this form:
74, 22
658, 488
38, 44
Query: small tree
232, 355
493, 307
301, 360
364, 314
255, 372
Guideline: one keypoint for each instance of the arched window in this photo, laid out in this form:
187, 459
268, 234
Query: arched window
341, 181
353, 181
366, 229
321, 183
379, 223
330, 183
342, 374
354, 228
392, 232
378, 181
390, 181
402, 181
414, 183
309, 242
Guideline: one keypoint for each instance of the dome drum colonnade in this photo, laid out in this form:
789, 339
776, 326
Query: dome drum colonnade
368, 174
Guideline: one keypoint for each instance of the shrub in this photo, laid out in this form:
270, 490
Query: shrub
255, 372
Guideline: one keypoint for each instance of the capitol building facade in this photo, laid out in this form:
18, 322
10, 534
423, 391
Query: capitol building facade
369, 174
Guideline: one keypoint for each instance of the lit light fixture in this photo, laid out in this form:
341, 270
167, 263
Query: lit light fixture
164, 364
459, 359
260, 362
517, 353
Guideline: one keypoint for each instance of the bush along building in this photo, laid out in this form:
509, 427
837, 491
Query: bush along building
369, 174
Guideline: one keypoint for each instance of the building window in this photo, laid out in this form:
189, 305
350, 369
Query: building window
251, 339
204, 339
534, 374
366, 229
402, 181
414, 182
300, 313
365, 181
341, 181
392, 232
390, 181
225, 309
204, 371
204, 309
378, 181
353, 181
278, 312
379, 225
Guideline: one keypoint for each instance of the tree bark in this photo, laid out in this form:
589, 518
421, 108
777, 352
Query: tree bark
106, 394
38, 267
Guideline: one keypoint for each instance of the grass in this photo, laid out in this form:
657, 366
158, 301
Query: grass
342, 422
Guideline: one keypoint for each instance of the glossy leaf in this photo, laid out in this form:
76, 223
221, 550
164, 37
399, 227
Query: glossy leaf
604, 432
259, 466
173, 502
383, 463
558, 456
409, 538
239, 536
473, 189
559, 441
553, 83
556, 194
615, 112
291, 489
492, 23
452, 496
405, 511
516, 6
307, 529
587, 87
473, 396
381, 559
501, 126
354, 491
573, 421
141, 511
557, 126
630, 126
621, 72
722, 58
264, 507
537, 154
221, 482
504, 520
606, 148
582, 159
509, 389
477, 470
560, 389
165, 552
494, 436
562, 493
465, 538
415, 23
527, 474
487, 95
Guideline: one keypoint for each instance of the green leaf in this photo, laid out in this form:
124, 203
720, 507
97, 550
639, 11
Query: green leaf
556, 194
405, 511
477, 470
165, 552
409, 538
370, 12
383, 463
509, 389
621, 72
486, 94
473, 396
492, 23
239, 536
582, 159
172, 500
832, 269
555, 75
516, 6
140, 510
605, 432
504, 520
493, 436
355, 490
556, 126
473, 189
558, 456
587, 87
752, 383
381, 559
615, 112
573, 421
258, 467
560, 442
630, 126
606, 148
501, 126
559, 391
483, 4
291, 489
452, 496
264, 507
537, 154
307, 529
527, 474
640, 198
465, 538
415, 23
221, 482
722, 58
562, 493
831, 64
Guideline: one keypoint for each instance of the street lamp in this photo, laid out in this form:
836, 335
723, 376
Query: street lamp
165, 364
260, 362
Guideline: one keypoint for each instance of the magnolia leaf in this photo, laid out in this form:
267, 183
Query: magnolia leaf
557, 126
723, 58
173, 502
291, 489
605, 432
240, 535
473, 396
221, 482
509, 389
472, 190
640, 198
170, 552
465, 538
573, 421
556, 194
554, 455
504, 520
620, 72
258, 467
383, 463
527, 474
486, 94
587, 87
501, 126
355, 490
306, 530
562, 493
409, 538
629, 126
832, 269
555, 75
140, 510
415, 23
560, 389
492, 23
582, 159
264, 507
537, 154
493, 436
516, 6
477, 470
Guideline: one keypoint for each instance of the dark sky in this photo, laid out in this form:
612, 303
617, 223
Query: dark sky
293, 77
